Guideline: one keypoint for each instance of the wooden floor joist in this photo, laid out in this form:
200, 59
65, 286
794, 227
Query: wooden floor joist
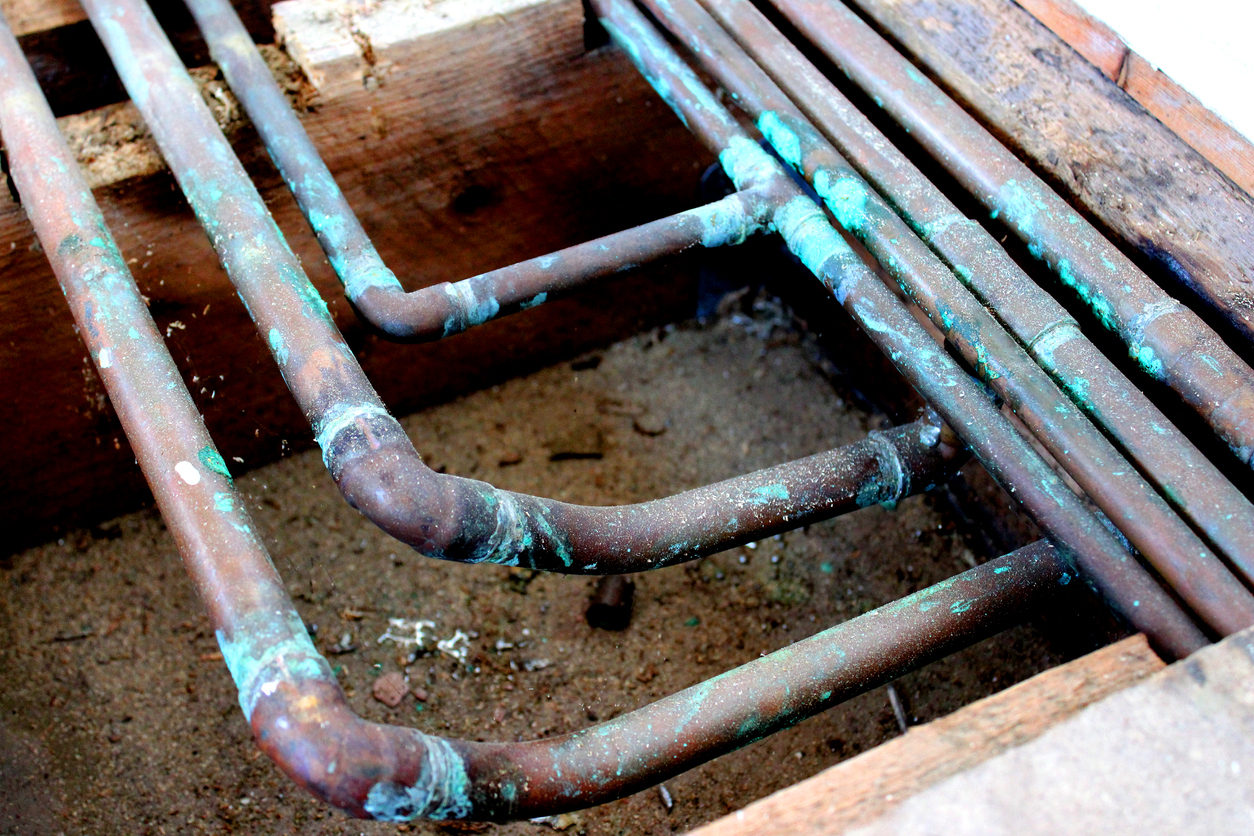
1181, 218
487, 142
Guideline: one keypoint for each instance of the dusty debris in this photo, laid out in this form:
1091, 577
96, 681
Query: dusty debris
650, 424
405, 626
582, 441
344, 645
565, 821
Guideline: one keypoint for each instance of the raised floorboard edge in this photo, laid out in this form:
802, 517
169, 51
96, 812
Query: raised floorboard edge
863, 788
1208, 134
519, 143
1179, 216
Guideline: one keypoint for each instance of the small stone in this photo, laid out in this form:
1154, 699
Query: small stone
650, 424
498, 716
420, 694
509, 457
390, 689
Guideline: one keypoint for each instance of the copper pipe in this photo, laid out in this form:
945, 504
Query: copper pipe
441, 310
1178, 554
1185, 477
1167, 340
378, 469
373, 461
288, 692
954, 394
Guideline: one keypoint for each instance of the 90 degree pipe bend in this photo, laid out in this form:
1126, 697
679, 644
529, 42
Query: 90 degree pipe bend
301, 719
454, 518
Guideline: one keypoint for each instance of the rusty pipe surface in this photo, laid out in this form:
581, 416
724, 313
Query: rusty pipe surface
1185, 477
446, 308
955, 395
366, 450
288, 692
1170, 546
1166, 339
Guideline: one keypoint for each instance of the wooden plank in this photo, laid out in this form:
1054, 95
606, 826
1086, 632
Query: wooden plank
26, 16
1191, 120
1084, 33
861, 789
520, 144
1181, 218
1171, 104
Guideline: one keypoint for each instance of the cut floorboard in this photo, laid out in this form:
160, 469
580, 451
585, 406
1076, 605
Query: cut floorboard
861, 789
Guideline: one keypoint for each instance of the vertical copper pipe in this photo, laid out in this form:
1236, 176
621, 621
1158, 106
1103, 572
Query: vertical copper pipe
1168, 341
1185, 477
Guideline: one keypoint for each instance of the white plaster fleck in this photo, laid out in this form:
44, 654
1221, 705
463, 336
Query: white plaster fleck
188, 473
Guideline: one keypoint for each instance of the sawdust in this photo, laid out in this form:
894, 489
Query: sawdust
112, 143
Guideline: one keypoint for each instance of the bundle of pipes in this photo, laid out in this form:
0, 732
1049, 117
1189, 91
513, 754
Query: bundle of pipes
1174, 506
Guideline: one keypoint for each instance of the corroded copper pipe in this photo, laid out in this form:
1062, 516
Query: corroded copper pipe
1179, 555
289, 693
366, 450
301, 720
953, 393
1185, 477
443, 309
1168, 341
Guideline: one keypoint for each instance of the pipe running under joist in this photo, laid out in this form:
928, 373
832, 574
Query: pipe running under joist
289, 693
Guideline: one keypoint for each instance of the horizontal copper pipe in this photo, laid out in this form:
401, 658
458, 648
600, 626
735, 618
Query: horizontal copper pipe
444, 309
1169, 342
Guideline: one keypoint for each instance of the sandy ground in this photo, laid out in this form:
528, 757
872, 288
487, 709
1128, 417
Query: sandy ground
117, 715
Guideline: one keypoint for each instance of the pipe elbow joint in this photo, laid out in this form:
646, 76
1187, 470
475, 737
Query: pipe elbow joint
368, 770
